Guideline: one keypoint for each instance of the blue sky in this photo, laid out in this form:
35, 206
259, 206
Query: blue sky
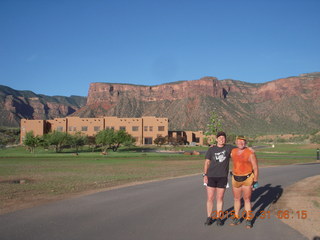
58, 47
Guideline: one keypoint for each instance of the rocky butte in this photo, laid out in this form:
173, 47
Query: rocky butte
112, 92
286, 105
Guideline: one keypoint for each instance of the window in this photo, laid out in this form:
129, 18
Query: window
148, 140
145, 128
84, 128
150, 128
96, 128
160, 128
59, 129
135, 128
122, 128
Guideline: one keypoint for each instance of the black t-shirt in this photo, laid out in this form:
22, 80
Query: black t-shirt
219, 160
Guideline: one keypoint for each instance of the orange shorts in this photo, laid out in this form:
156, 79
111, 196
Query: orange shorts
247, 182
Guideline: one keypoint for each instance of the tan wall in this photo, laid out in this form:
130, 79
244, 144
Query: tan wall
87, 126
154, 127
58, 124
37, 126
133, 126
139, 128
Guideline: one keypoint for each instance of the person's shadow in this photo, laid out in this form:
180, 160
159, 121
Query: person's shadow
262, 198
263, 201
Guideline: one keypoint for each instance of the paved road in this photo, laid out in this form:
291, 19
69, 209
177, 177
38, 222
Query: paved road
170, 209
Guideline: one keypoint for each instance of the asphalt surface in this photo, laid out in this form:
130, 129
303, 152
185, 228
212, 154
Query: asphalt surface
169, 209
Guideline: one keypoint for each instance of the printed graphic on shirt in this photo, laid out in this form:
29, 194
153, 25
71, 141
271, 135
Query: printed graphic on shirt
220, 156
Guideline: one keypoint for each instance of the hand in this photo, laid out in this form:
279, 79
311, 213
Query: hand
255, 185
205, 179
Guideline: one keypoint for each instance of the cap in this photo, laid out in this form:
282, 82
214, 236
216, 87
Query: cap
241, 137
221, 134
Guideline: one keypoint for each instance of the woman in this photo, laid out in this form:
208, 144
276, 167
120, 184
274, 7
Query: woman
215, 177
244, 179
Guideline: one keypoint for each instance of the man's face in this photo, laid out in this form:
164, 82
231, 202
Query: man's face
221, 140
241, 143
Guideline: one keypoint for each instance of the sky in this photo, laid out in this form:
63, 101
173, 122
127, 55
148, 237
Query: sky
58, 47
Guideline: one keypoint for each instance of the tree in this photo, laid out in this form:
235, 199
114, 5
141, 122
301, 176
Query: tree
215, 124
91, 141
105, 138
161, 140
122, 137
175, 141
77, 140
113, 139
56, 139
31, 141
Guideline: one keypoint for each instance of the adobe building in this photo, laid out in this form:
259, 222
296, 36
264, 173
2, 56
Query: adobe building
192, 137
145, 130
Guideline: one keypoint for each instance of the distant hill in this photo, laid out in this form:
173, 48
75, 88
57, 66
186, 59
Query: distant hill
289, 105
15, 105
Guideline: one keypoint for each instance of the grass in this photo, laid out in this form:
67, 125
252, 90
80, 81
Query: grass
49, 175
283, 154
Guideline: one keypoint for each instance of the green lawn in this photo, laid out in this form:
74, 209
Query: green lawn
49, 175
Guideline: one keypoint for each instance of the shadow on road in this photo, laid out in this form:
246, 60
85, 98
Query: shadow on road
262, 198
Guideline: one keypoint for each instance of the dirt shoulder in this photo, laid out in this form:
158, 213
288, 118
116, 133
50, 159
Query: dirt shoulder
299, 206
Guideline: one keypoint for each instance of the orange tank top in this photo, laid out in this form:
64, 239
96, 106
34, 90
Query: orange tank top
241, 162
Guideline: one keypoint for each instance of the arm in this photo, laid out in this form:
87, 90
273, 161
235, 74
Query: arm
254, 162
205, 170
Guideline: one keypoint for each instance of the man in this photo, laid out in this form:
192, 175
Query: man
245, 179
215, 176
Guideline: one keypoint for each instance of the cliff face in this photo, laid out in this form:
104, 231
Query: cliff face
111, 93
283, 105
288, 105
15, 105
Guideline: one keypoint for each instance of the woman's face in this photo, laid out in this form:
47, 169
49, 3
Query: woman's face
221, 140
241, 143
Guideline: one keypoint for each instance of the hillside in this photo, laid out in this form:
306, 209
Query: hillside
15, 105
289, 105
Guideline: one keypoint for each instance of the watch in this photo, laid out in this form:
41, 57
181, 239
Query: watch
204, 174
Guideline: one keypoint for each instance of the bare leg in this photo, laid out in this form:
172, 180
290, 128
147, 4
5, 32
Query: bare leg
210, 199
247, 190
220, 195
237, 200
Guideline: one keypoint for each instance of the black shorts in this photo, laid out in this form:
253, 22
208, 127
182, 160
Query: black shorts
217, 182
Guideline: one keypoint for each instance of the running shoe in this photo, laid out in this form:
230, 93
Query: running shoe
248, 224
209, 221
219, 222
235, 221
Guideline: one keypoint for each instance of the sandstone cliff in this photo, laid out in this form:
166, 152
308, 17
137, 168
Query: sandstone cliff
283, 105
